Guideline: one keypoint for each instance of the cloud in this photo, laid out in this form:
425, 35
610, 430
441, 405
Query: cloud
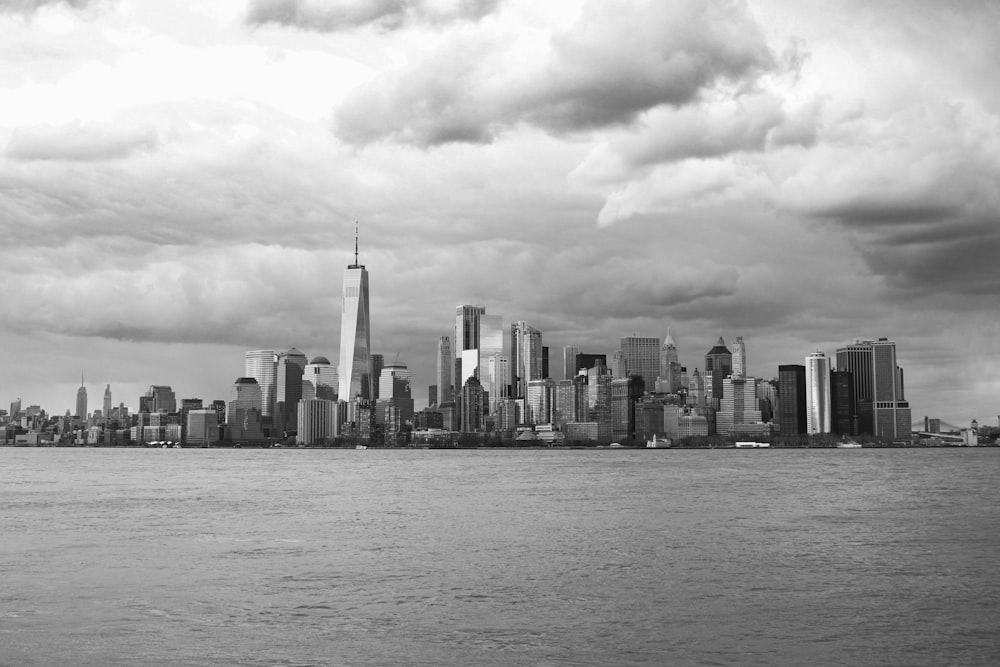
28, 7
336, 15
84, 142
471, 88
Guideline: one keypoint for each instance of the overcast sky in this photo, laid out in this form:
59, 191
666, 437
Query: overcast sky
179, 183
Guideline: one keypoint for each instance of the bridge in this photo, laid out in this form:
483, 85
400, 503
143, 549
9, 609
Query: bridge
943, 431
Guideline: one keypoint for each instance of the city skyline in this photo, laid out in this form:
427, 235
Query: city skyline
179, 185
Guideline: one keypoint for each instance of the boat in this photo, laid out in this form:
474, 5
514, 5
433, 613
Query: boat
848, 445
361, 447
658, 443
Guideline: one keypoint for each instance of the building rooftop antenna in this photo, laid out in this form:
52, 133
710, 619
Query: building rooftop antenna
355, 242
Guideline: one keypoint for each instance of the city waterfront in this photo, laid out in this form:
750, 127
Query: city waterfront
435, 557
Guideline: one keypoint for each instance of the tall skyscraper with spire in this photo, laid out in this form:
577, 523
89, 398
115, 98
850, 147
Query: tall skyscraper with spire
355, 333
107, 403
81, 400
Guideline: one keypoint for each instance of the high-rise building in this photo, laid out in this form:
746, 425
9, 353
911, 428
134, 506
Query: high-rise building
107, 403
160, 398
445, 370
202, 427
738, 405
498, 372
243, 414
491, 335
817, 393
670, 368
642, 357
525, 357
354, 370
539, 401
696, 390
619, 365
625, 393
395, 390
570, 353
316, 420
585, 361
739, 357
288, 389
467, 321
882, 409
81, 400
377, 364
842, 406
322, 375
792, 399
262, 366
718, 366
472, 406
599, 400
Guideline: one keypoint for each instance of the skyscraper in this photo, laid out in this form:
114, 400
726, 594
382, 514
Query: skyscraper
354, 370
288, 388
792, 399
378, 362
738, 405
718, 366
498, 372
81, 400
739, 357
467, 320
817, 393
323, 377
525, 357
569, 362
262, 366
670, 368
107, 403
395, 390
842, 404
642, 357
445, 370
882, 409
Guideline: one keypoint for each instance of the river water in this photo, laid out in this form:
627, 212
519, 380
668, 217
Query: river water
540, 557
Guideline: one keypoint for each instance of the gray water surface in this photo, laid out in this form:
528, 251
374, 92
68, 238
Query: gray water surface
433, 557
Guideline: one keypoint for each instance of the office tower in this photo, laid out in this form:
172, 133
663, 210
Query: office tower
525, 357
696, 391
882, 409
739, 357
322, 375
316, 421
467, 322
491, 335
539, 401
569, 362
625, 393
792, 399
599, 400
288, 388
15, 409
377, 364
432, 395
262, 366
202, 427
817, 393
395, 390
545, 361
159, 398
243, 413
564, 402
354, 370
107, 403
81, 400
498, 372
619, 365
445, 370
739, 404
642, 357
472, 406
842, 406
718, 366
767, 396
670, 367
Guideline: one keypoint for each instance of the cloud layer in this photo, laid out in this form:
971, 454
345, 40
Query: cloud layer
338, 15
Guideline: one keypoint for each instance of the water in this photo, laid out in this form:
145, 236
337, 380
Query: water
391, 557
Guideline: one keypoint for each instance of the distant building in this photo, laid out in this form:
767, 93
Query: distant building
642, 358
377, 363
262, 365
718, 366
322, 375
161, 398
202, 427
316, 421
882, 409
445, 370
81, 400
570, 369
738, 405
525, 357
739, 357
625, 393
842, 404
354, 370
792, 399
472, 406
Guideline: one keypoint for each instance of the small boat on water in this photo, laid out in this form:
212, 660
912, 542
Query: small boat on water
361, 447
848, 445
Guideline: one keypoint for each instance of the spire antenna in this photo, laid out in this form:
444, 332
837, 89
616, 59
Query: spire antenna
355, 242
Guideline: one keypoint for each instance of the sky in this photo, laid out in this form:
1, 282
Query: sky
180, 183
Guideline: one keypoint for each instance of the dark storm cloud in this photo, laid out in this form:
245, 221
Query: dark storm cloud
346, 14
79, 142
616, 62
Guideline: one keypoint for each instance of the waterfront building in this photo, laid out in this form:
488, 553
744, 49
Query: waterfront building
322, 375
244, 395
718, 366
738, 405
467, 325
739, 357
81, 400
691, 423
395, 389
472, 406
881, 407
498, 380
842, 404
354, 370
581, 431
445, 370
625, 393
525, 357
539, 401
792, 399
243, 414
316, 421
202, 427
817, 393
262, 365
